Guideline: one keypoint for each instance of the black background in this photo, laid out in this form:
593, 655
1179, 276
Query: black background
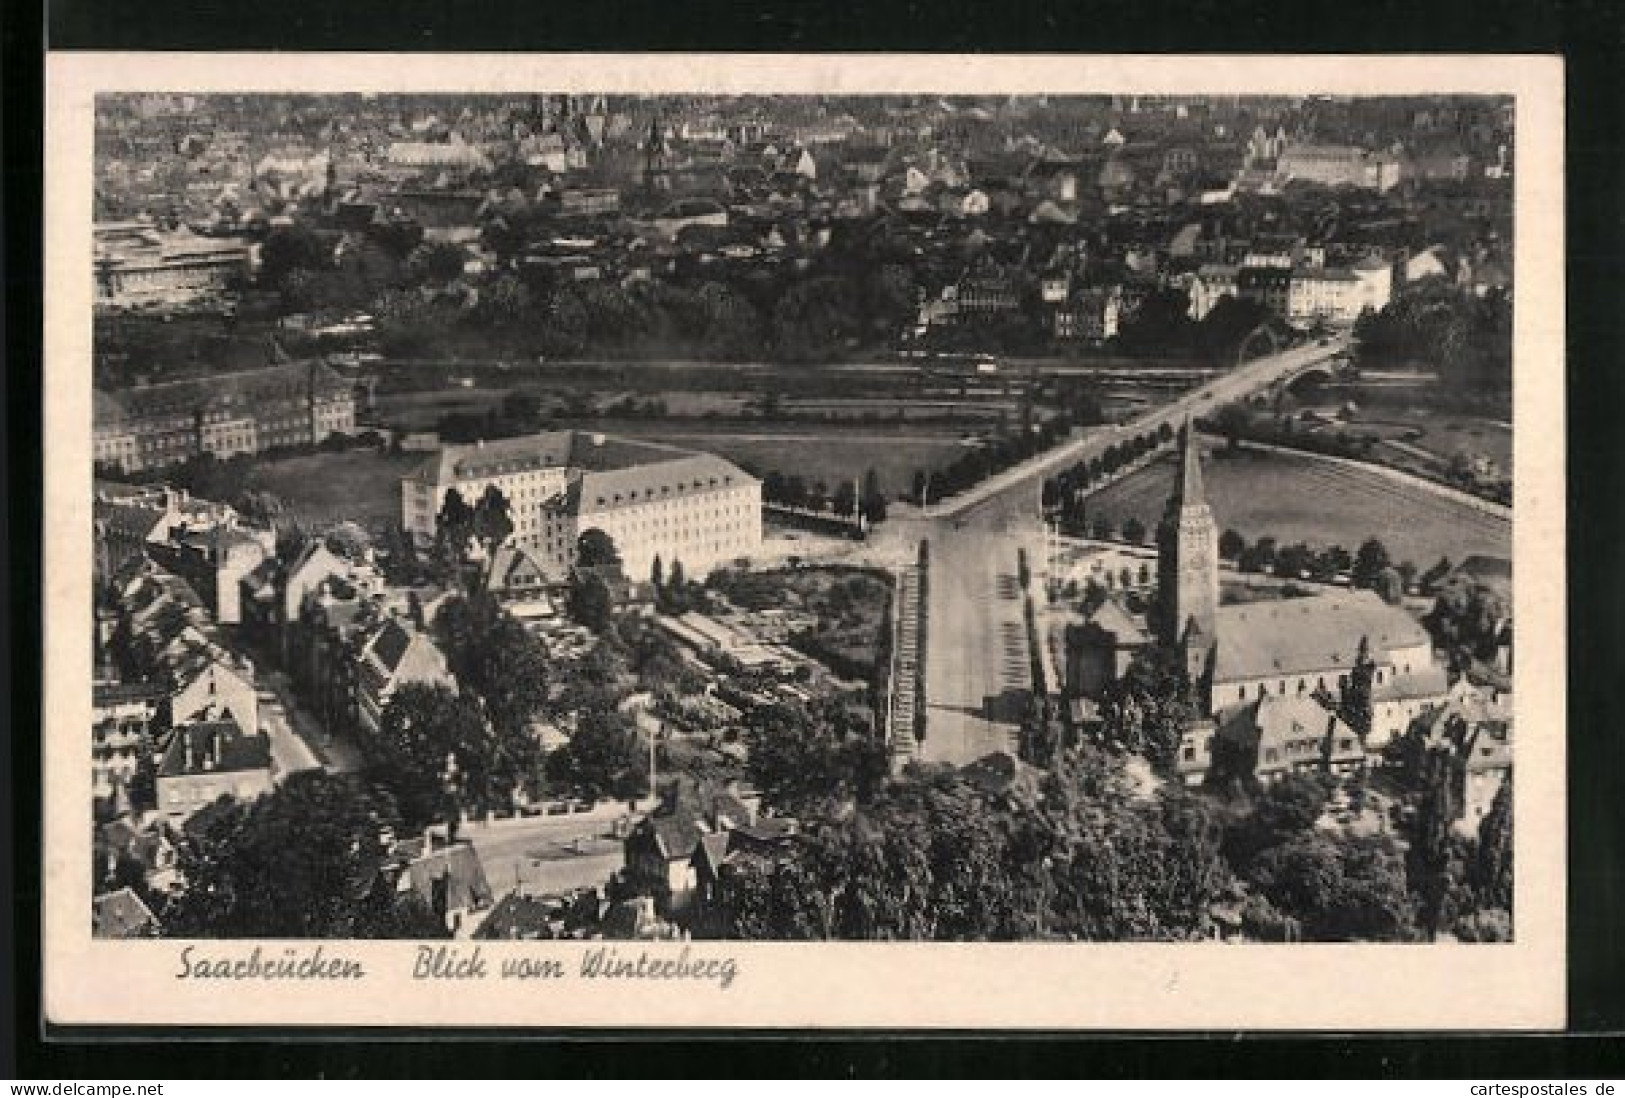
1589, 34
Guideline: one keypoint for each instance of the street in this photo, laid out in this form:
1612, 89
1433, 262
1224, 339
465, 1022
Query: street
304, 743
978, 682
541, 854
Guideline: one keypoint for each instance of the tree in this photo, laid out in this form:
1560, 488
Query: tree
1352, 890
813, 320
260, 508
844, 500
590, 602
290, 248
304, 861
874, 500
677, 593
435, 753
797, 759
1285, 810
604, 758
1232, 545
348, 540
1491, 870
506, 666
1429, 858
596, 552
1390, 586
454, 526
492, 522
1147, 710
657, 580
1369, 561
1354, 705
435, 263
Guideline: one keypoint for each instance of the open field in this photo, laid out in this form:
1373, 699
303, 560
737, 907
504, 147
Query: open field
363, 486
825, 453
1300, 497
1442, 433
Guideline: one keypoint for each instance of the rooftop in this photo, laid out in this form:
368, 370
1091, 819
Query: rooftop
1313, 633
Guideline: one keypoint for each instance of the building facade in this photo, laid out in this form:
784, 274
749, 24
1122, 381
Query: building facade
651, 500
139, 265
152, 426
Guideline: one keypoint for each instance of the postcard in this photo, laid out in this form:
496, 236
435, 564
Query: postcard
821, 541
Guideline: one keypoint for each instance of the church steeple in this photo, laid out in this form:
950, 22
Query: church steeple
1188, 489
1188, 557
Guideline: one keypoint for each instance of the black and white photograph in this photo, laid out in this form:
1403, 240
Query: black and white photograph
650, 523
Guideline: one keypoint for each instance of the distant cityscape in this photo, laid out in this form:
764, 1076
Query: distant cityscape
803, 518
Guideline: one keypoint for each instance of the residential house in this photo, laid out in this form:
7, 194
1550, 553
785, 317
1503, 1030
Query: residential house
1212, 283
449, 879
146, 844
122, 717
396, 654
1273, 736
210, 760
123, 914
210, 685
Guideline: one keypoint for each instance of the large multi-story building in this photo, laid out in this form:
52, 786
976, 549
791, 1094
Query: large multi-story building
150, 426
1340, 166
137, 264
652, 500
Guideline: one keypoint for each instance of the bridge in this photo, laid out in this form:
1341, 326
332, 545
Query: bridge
978, 663
1025, 481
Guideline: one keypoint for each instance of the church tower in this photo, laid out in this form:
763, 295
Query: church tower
1188, 561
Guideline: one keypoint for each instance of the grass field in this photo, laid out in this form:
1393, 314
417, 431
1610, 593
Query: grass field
1299, 497
363, 486
814, 452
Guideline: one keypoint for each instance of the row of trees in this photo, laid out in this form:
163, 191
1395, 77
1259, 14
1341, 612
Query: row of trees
845, 499
1066, 491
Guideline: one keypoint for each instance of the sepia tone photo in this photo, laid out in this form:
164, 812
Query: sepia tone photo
584, 531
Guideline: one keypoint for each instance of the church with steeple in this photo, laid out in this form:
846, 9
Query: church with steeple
1276, 660
1187, 604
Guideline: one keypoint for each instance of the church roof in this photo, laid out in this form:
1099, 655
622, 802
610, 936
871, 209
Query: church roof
1315, 633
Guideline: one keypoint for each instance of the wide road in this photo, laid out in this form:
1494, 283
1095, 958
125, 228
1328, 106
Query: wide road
1018, 487
978, 681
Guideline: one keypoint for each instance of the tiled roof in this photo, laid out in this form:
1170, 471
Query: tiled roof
242, 392
122, 914
391, 644
131, 520
549, 450
518, 917
1313, 633
686, 476
462, 870
676, 832
214, 747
